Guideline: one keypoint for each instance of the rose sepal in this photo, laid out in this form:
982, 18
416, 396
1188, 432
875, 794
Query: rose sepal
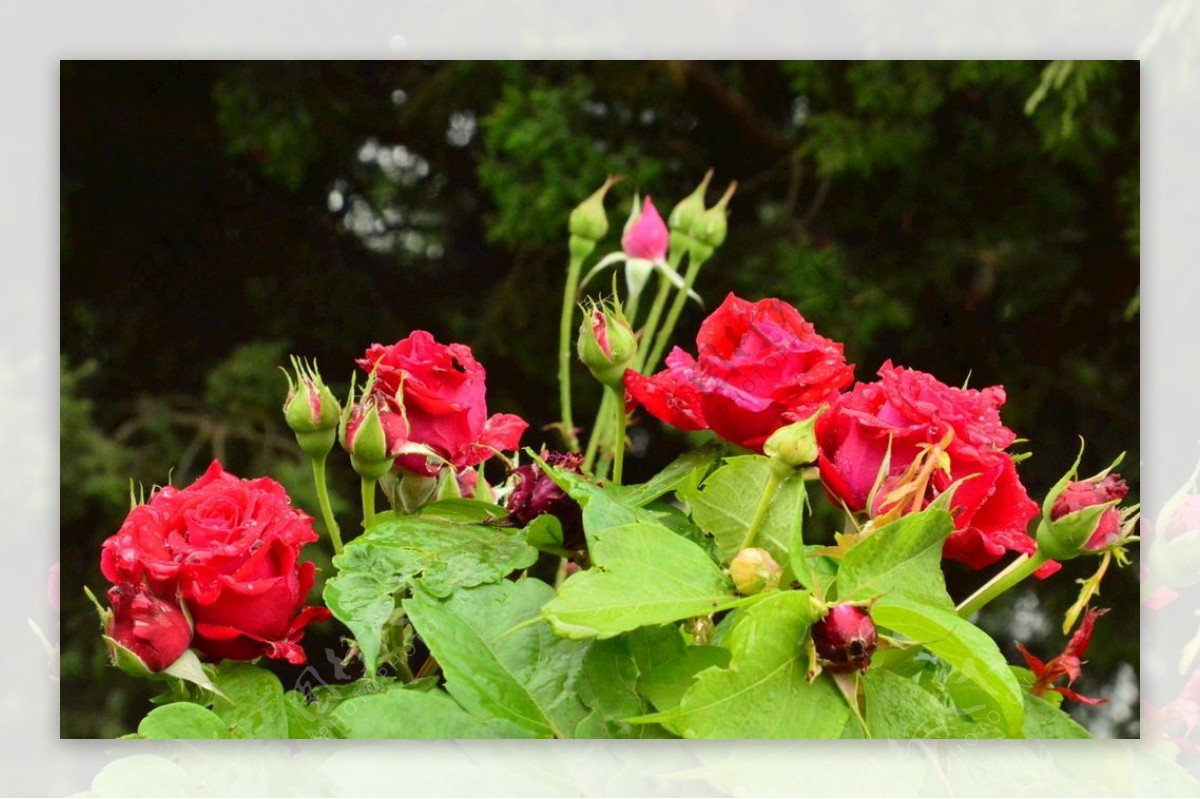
1064, 539
1072, 474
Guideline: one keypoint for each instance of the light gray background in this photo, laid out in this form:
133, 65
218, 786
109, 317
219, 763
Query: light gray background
1165, 34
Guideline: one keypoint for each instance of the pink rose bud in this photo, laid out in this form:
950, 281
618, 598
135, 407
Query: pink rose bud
606, 344
1082, 494
154, 630
646, 237
372, 436
845, 639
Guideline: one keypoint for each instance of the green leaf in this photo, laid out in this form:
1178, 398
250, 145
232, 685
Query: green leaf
252, 704
400, 713
1044, 720
968, 649
401, 551
668, 664
679, 472
525, 675
764, 693
903, 558
603, 506
304, 719
608, 686
465, 511
544, 532
898, 707
725, 503
182, 720
642, 574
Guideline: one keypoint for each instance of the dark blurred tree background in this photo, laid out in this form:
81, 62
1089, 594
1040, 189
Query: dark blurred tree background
972, 219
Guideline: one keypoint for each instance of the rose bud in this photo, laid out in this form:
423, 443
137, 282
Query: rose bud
155, 631
588, 221
1082, 494
794, 445
372, 436
688, 210
535, 494
606, 344
710, 227
1079, 516
311, 410
845, 639
754, 571
646, 235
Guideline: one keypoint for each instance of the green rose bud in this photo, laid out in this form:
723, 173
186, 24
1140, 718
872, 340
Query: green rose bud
710, 227
589, 221
684, 214
754, 571
794, 445
311, 410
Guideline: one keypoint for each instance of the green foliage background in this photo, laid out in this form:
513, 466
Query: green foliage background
978, 220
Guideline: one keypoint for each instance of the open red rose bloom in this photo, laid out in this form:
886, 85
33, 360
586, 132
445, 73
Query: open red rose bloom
436, 395
898, 419
760, 366
228, 550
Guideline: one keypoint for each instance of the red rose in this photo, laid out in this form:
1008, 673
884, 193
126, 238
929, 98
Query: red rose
911, 411
229, 548
440, 389
534, 493
761, 366
151, 628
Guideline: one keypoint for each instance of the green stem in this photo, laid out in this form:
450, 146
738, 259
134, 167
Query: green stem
696, 259
619, 442
760, 513
368, 501
599, 429
565, 339
335, 534
1016, 571
660, 302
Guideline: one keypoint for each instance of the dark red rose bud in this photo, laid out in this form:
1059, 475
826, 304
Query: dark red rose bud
151, 628
845, 639
1082, 494
535, 493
